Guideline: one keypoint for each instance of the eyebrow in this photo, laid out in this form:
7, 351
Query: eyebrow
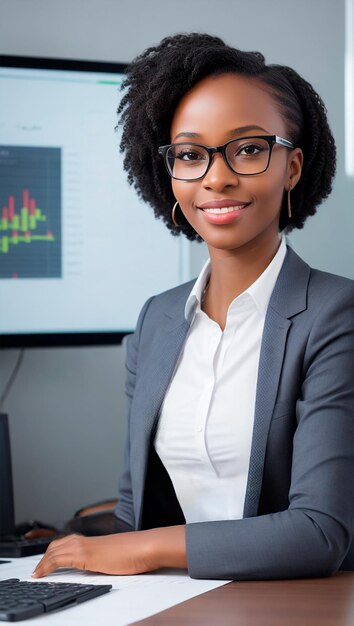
234, 131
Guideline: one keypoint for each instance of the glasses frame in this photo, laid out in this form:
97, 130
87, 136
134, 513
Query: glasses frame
211, 150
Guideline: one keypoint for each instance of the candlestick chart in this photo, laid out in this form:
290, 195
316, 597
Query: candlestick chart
30, 212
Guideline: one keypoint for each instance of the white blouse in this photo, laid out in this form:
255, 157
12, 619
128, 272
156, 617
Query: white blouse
205, 428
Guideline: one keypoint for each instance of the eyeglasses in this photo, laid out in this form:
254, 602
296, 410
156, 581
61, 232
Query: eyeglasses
246, 156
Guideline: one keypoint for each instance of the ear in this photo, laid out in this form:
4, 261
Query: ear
295, 162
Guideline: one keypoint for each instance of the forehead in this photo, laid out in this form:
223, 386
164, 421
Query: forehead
218, 105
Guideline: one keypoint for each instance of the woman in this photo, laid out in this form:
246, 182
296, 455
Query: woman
240, 451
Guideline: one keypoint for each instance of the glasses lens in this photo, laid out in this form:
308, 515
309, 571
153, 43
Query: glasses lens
187, 161
248, 155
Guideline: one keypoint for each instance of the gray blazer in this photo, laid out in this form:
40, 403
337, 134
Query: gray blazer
299, 504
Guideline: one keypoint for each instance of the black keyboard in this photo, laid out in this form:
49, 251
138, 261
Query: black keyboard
18, 546
20, 599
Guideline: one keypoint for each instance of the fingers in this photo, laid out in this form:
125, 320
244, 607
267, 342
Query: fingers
51, 563
66, 552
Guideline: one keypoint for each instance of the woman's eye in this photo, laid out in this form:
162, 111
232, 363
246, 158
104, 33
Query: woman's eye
189, 155
250, 149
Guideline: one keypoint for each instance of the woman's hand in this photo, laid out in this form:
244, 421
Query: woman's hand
119, 554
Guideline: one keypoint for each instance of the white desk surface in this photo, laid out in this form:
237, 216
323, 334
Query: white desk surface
132, 598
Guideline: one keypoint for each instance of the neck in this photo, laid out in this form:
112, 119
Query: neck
232, 272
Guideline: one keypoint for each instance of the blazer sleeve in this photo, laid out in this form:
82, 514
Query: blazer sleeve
312, 536
125, 506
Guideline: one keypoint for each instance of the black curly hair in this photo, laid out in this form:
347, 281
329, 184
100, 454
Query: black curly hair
158, 79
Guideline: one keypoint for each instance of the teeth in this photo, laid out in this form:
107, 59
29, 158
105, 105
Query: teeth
225, 209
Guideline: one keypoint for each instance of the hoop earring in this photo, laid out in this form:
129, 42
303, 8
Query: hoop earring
173, 215
289, 205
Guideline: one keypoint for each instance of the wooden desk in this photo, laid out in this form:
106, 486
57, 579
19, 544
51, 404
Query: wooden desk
312, 602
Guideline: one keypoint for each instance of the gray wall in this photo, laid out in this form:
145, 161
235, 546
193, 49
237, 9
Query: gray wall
67, 406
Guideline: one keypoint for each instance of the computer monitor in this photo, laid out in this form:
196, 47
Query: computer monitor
79, 252
7, 520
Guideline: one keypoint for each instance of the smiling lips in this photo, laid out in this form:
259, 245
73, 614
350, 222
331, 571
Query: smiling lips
223, 211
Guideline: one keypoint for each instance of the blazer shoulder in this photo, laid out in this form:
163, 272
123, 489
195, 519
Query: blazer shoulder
326, 285
158, 309
300, 287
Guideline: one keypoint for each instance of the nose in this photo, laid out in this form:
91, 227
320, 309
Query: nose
219, 175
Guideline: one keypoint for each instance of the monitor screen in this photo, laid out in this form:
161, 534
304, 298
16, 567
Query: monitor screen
79, 252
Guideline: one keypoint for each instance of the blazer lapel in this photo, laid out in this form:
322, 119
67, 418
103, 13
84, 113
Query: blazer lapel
288, 299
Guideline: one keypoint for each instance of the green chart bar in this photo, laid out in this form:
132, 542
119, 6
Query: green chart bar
26, 222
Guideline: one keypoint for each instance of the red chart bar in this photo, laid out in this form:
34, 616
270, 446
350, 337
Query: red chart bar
32, 206
11, 207
25, 195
